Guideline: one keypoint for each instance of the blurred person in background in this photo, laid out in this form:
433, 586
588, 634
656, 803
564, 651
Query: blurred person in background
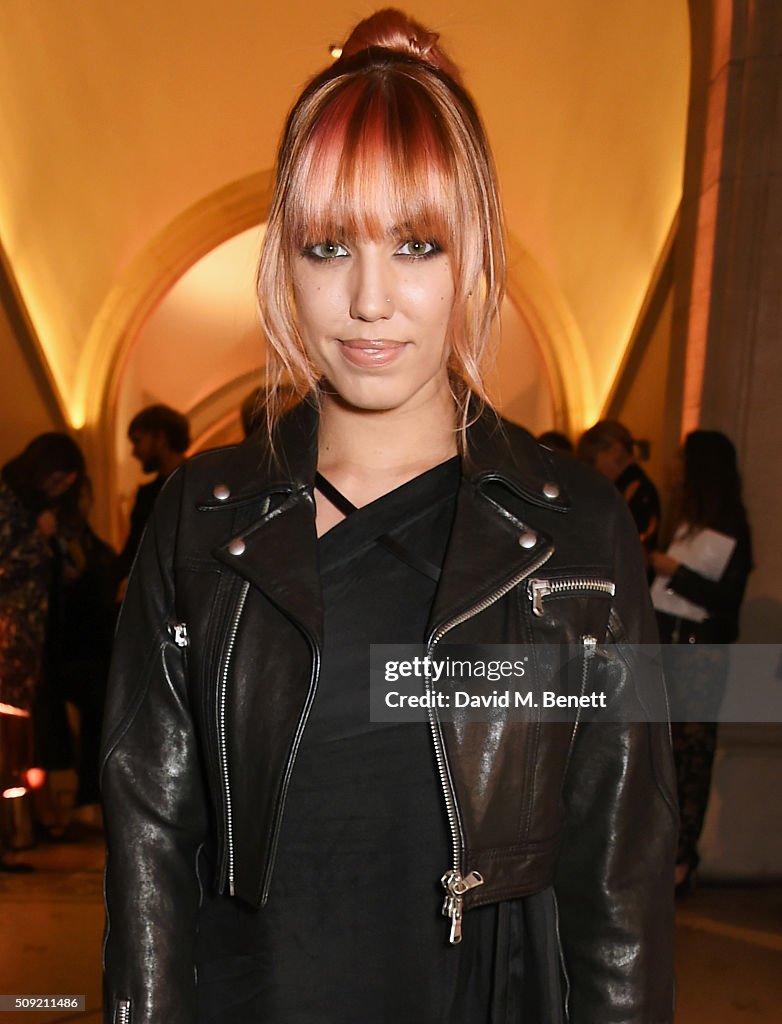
609, 447
160, 437
697, 595
80, 638
31, 486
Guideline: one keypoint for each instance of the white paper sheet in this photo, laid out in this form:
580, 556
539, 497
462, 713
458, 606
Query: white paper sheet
706, 552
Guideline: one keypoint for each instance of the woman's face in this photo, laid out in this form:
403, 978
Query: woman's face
57, 483
612, 460
374, 317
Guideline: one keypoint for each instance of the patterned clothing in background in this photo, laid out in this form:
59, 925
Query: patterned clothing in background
25, 560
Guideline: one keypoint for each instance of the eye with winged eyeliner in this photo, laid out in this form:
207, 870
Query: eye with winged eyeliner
411, 248
325, 251
418, 248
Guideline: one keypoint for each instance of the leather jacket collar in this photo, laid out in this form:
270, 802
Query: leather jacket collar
254, 470
490, 546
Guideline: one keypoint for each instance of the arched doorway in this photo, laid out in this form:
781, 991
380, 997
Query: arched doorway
164, 334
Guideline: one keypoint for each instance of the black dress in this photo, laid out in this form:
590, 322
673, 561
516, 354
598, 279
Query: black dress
643, 501
353, 929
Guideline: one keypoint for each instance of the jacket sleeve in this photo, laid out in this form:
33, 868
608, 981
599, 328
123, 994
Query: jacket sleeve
614, 880
720, 597
153, 795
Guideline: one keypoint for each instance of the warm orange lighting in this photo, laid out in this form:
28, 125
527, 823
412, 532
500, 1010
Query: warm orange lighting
14, 712
708, 207
35, 778
13, 792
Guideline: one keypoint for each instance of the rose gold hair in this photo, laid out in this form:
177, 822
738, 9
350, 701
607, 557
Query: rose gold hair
388, 125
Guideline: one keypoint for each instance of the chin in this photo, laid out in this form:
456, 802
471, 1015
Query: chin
376, 396
385, 393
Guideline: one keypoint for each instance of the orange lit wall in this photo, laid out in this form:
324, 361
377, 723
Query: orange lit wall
119, 120
118, 117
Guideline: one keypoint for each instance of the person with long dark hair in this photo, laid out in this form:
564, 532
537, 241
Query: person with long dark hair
31, 485
80, 639
275, 854
698, 594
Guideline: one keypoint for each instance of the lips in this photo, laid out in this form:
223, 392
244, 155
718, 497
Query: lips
371, 352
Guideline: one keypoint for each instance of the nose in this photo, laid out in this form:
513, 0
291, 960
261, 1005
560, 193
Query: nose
371, 296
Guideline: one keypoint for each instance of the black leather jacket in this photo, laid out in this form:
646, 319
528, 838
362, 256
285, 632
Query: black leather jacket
216, 665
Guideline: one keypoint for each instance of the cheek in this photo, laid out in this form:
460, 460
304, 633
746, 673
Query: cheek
433, 301
316, 306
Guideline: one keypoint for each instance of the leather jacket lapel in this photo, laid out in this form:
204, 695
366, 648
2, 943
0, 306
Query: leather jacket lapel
271, 493
488, 551
262, 554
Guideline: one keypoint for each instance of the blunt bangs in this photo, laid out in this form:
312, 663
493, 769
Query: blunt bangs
378, 144
374, 161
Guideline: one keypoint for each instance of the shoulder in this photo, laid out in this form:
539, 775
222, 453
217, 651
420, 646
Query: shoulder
258, 465
16, 522
146, 495
10, 504
578, 482
222, 475
567, 499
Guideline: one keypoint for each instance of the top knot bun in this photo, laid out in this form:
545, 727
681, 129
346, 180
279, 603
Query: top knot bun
392, 29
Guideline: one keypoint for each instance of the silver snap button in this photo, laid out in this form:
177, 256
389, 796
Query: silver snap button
222, 492
528, 539
237, 546
551, 490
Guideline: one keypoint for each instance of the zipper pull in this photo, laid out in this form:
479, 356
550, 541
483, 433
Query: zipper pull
178, 633
122, 1012
456, 886
537, 590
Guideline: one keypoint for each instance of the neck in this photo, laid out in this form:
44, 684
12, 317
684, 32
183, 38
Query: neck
382, 449
169, 462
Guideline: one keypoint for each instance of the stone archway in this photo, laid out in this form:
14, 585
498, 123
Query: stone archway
228, 212
195, 232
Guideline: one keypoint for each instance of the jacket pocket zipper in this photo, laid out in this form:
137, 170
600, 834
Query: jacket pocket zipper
538, 590
122, 1012
178, 633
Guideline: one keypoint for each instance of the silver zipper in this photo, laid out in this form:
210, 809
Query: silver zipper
590, 647
178, 633
455, 887
455, 883
589, 644
223, 750
540, 589
122, 1016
